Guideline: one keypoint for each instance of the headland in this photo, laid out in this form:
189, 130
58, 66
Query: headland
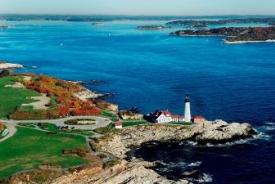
98, 136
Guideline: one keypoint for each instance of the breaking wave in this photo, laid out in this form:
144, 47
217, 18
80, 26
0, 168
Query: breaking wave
195, 164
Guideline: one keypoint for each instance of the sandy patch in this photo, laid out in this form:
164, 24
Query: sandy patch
15, 85
40, 103
27, 78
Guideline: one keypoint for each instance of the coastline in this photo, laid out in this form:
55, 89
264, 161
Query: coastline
183, 35
121, 143
5, 65
116, 145
244, 42
214, 132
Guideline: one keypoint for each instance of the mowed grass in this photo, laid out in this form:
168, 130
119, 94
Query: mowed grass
110, 115
12, 98
128, 123
29, 148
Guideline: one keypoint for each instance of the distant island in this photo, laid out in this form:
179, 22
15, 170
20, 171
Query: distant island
234, 34
188, 22
151, 27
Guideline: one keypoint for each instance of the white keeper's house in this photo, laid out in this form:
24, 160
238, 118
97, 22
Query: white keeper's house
167, 117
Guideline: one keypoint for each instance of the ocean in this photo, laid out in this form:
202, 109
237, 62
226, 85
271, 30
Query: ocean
153, 70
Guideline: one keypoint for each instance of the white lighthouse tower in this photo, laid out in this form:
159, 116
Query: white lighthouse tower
187, 111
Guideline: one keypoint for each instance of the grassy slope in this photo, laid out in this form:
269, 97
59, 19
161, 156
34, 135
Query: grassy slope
11, 98
110, 115
128, 123
30, 148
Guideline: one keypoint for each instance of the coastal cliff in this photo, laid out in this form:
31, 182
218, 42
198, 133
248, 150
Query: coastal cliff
234, 34
216, 132
120, 143
116, 145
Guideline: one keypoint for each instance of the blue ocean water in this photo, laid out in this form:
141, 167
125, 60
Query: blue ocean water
243, 163
153, 70
150, 69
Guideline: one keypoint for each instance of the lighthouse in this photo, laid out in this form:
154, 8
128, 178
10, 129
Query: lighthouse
187, 111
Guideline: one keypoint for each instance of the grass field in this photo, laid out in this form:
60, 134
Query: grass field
128, 123
110, 115
29, 148
54, 129
11, 98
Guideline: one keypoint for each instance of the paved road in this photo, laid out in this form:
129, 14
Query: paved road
100, 122
12, 131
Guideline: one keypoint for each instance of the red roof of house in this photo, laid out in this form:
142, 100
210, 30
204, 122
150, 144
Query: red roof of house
199, 117
118, 123
166, 113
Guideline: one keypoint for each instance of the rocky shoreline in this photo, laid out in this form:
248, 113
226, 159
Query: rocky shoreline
4, 66
234, 34
120, 143
213, 132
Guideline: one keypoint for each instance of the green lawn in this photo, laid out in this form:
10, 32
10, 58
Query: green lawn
29, 148
76, 121
53, 128
128, 123
110, 115
49, 127
11, 98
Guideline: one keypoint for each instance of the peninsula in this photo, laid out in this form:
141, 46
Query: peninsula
116, 145
234, 34
88, 139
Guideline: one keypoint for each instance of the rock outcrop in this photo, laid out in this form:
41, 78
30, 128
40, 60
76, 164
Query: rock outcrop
87, 94
209, 132
117, 144
234, 34
124, 172
4, 65
106, 105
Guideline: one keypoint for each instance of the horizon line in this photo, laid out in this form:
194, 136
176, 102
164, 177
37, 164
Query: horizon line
133, 15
